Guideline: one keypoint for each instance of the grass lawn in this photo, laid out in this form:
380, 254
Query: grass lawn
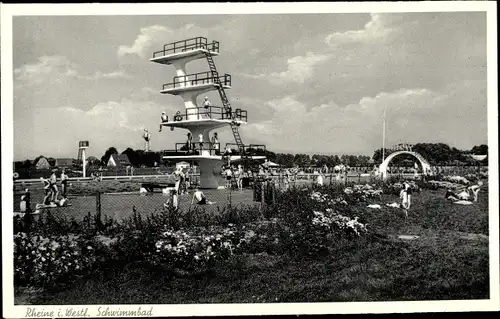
449, 260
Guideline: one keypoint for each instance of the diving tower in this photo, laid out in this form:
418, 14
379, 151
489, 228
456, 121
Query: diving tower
201, 120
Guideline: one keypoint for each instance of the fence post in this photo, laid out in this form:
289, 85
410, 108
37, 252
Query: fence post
273, 190
98, 204
263, 194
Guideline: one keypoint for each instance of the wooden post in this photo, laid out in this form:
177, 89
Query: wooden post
263, 194
273, 190
98, 204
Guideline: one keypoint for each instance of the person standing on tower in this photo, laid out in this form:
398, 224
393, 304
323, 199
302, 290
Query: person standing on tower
215, 143
207, 103
200, 140
189, 141
164, 119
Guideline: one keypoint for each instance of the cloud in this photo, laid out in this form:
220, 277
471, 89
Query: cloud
146, 38
52, 68
152, 38
55, 70
373, 30
299, 70
113, 123
412, 115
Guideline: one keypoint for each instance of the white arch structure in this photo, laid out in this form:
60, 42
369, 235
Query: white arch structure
423, 162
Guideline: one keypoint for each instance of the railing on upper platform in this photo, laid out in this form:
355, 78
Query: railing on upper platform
188, 45
195, 148
197, 79
211, 112
250, 149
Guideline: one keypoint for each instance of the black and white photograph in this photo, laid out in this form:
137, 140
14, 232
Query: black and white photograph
254, 158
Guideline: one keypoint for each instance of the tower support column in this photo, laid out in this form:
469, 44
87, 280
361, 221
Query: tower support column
210, 173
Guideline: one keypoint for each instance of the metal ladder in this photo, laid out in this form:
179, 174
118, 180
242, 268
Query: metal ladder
247, 160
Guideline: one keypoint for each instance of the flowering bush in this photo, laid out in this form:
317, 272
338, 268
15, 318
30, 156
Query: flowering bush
195, 250
45, 260
337, 223
363, 192
456, 179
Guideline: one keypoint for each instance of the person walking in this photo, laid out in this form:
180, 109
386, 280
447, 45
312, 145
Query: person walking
64, 183
405, 196
229, 176
239, 177
53, 186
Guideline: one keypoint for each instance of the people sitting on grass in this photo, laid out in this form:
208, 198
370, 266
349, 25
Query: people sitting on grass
201, 199
474, 189
464, 194
457, 195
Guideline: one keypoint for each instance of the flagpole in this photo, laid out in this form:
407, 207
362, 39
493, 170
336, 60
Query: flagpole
383, 137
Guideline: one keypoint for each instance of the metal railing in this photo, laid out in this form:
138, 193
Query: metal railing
188, 45
197, 79
212, 112
250, 149
194, 149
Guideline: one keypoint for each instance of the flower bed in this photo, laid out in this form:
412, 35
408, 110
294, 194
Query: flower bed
302, 221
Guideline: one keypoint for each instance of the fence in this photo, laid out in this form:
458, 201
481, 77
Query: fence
122, 205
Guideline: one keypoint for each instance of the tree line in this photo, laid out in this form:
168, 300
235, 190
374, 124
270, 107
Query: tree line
435, 153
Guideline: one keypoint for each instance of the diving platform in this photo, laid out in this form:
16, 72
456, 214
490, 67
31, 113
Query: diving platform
185, 50
196, 83
207, 117
201, 123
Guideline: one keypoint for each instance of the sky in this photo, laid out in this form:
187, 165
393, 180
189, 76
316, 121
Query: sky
311, 83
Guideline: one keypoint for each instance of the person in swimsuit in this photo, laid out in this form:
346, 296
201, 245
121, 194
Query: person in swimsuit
64, 183
189, 141
474, 189
239, 177
47, 191
405, 196
229, 176
201, 199
215, 143
53, 186
164, 119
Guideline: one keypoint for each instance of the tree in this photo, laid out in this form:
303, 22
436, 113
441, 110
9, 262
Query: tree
52, 161
132, 156
302, 160
110, 151
480, 150
363, 160
93, 161
284, 159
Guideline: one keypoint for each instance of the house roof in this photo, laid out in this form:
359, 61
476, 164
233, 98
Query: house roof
42, 163
121, 159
